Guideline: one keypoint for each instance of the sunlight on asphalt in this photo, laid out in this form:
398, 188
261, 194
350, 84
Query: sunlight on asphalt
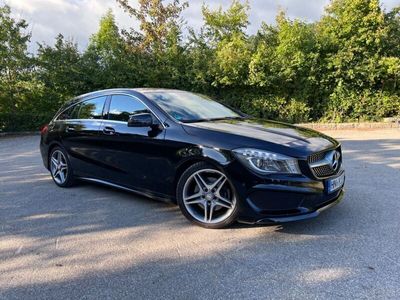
325, 275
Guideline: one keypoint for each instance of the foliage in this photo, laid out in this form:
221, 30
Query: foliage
157, 20
10, 122
105, 61
15, 63
345, 66
59, 71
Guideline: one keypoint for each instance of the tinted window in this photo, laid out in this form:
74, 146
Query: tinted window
66, 114
189, 107
90, 109
121, 107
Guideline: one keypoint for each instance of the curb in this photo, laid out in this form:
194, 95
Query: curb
349, 126
19, 133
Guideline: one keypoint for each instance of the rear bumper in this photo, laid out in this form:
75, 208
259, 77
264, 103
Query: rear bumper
44, 152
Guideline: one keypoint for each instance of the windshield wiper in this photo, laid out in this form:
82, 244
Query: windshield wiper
234, 118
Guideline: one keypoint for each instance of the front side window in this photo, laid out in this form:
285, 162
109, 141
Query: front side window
90, 109
123, 106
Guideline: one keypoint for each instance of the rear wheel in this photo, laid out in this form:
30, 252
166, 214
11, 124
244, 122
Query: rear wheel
206, 196
60, 168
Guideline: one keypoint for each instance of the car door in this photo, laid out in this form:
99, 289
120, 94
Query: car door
80, 136
133, 155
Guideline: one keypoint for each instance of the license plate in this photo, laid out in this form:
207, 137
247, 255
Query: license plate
335, 183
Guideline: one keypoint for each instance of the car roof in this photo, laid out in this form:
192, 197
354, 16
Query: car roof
138, 90
152, 90
106, 92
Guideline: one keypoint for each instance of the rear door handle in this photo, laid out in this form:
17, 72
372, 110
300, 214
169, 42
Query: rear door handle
108, 130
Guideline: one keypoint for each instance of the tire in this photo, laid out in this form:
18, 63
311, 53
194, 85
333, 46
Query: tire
216, 206
60, 155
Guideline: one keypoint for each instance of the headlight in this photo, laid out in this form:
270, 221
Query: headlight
267, 162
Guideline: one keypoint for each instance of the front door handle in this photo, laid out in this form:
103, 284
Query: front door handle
108, 130
70, 128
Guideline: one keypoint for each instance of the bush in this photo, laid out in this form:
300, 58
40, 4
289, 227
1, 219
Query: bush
278, 108
23, 121
361, 106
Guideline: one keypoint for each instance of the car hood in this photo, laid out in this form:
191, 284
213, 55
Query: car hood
270, 132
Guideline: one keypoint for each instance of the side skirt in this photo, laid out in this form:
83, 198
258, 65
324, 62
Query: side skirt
120, 187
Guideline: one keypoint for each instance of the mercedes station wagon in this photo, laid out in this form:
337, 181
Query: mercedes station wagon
218, 164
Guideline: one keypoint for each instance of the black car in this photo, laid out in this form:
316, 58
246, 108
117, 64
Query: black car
218, 164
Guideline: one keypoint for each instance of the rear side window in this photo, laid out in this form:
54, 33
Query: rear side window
122, 107
65, 114
90, 109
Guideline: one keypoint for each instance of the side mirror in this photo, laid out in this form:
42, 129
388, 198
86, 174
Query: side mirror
141, 120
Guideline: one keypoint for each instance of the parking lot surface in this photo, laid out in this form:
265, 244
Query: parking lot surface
93, 242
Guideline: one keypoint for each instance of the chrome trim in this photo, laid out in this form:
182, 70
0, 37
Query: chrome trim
327, 161
81, 120
114, 121
336, 160
80, 101
338, 200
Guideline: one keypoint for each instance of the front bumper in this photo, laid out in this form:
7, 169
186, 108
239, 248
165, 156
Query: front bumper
302, 216
282, 198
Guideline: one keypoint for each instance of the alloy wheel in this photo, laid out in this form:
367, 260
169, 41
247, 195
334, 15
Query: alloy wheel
208, 196
59, 167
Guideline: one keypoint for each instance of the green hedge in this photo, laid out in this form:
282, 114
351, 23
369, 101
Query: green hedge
23, 121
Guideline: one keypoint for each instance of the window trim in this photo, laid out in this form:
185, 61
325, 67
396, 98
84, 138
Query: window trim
102, 109
106, 108
79, 102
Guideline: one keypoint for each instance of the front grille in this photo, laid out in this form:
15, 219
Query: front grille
323, 171
313, 158
321, 166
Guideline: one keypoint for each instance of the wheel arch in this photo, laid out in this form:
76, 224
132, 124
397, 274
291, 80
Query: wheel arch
50, 149
183, 166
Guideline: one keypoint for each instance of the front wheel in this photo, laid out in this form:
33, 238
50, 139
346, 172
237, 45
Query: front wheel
207, 197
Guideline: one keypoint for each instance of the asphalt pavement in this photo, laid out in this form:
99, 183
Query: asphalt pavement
94, 242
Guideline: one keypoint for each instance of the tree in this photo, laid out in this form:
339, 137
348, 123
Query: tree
158, 46
346, 66
15, 62
59, 70
285, 65
391, 62
105, 60
352, 35
225, 31
157, 20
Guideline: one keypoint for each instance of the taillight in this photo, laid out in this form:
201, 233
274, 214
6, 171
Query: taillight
43, 129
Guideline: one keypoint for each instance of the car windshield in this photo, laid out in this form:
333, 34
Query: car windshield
189, 107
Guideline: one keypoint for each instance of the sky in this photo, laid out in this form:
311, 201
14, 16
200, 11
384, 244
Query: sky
79, 19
